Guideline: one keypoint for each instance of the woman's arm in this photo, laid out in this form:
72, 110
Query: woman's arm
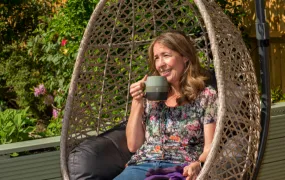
194, 168
135, 130
209, 130
209, 121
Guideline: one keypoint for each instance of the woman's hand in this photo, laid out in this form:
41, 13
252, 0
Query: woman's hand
191, 171
137, 89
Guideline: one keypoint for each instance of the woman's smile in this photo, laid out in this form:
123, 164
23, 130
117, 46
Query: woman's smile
168, 63
165, 72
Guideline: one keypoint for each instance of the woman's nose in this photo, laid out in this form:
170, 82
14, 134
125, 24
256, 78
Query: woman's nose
160, 62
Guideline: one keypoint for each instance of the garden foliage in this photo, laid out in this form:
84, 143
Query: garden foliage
39, 47
39, 44
277, 95
16, 125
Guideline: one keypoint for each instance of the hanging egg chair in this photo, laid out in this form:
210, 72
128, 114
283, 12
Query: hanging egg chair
113, 54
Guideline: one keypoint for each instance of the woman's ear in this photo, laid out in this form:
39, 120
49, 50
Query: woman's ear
185, 59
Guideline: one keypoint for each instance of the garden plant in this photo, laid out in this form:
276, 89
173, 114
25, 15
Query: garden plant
39, 44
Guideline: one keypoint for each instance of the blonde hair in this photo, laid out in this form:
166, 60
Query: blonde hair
192, 80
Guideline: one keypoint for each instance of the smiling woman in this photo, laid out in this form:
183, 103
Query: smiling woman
173, 55
169, 63
189, 113
106, 84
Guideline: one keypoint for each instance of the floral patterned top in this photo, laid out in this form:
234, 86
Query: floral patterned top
175, 134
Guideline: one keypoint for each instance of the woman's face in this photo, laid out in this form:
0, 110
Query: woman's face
169, 63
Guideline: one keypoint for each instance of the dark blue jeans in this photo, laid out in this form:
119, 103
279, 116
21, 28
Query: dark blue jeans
138, 172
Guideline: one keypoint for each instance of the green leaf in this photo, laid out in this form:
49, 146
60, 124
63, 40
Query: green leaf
14, 154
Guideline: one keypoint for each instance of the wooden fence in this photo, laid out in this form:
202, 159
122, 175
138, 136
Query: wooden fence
275, 15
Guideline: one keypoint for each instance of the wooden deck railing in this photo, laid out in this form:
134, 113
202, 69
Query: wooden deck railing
43, 163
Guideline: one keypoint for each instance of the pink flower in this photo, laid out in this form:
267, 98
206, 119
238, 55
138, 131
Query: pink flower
152, 118
63, 42
36, 92
207, 91
42, 89
188, 158
193, 127
54, 113
184, 142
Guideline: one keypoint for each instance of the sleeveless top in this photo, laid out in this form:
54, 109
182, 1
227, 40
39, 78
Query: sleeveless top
176, 134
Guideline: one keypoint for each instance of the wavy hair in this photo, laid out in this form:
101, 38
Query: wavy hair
193, 79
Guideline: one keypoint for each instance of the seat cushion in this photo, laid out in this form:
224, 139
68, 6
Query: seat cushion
100, 157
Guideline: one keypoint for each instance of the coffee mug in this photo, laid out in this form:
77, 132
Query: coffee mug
156, 88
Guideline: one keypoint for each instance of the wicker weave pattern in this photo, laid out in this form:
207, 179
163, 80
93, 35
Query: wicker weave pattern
113, 54
237, 135
116, 56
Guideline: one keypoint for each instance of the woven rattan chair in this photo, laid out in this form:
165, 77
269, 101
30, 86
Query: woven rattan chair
113, 55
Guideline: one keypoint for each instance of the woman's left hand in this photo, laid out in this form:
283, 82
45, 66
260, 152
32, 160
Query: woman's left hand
191, 171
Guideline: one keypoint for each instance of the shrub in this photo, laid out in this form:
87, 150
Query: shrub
44, 55
53, 48
39, 47
18, 20
277, 95
16, 125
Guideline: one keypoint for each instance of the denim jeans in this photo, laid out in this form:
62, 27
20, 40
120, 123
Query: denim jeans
138, 171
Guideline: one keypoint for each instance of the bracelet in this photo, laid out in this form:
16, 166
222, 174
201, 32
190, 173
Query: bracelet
201, 163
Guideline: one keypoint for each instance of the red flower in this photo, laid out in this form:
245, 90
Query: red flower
63, 42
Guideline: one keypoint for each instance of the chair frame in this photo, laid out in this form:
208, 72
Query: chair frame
239, 106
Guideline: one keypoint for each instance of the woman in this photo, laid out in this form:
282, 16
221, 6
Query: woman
176, 131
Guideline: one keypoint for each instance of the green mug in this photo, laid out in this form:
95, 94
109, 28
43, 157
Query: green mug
156, 88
